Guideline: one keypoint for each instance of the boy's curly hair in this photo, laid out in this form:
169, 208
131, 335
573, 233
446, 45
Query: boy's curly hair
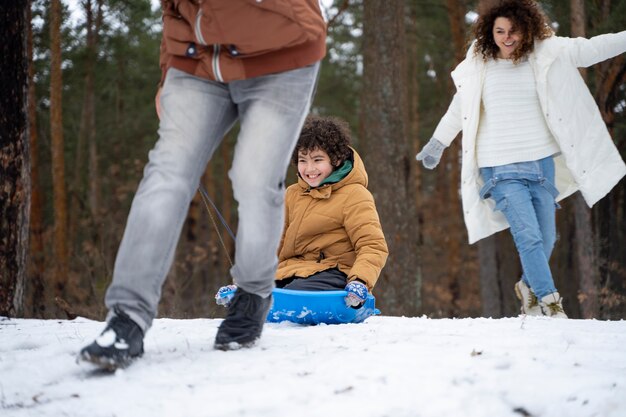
526, 17
328, 133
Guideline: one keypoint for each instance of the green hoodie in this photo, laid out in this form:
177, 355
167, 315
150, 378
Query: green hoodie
338, 174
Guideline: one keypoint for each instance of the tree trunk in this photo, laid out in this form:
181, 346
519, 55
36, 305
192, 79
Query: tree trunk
609, 213
490, 291
14, 158
452, 199
456, 16
76, 190
37, 255
584, 251
87, 133
413, 62
387, 152
93, 32
584, 242
58, 158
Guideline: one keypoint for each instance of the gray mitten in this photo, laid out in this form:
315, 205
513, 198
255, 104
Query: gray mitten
431, 153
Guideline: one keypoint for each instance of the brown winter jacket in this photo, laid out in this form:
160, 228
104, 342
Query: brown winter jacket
228, 40
335, 225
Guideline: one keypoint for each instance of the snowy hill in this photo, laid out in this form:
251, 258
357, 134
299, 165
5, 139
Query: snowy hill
387, 366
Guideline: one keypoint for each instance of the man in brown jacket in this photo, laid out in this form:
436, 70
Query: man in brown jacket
255, 62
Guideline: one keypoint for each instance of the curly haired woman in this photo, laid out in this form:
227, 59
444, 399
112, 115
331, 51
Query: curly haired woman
532, 135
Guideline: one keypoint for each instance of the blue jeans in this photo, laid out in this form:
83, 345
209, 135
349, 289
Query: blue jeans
196, 114
525, 193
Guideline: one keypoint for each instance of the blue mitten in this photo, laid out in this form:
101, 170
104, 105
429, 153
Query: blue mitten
357, 294
225, 294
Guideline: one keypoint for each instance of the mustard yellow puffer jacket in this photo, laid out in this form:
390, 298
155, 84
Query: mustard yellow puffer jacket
335, 225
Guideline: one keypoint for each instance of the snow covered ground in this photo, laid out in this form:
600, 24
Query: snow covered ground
387, 366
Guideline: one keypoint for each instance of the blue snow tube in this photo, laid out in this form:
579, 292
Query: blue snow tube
315, 307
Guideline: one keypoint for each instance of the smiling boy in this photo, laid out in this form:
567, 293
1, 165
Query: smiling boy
332, 239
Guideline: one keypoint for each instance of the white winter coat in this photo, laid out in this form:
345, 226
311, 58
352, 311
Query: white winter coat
589, 160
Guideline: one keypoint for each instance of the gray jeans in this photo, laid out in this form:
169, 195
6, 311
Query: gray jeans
195, 115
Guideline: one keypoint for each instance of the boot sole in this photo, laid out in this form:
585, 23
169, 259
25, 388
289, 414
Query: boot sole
106, 364
225, 346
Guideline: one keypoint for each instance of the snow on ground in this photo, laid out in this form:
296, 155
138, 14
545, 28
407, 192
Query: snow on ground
387, 366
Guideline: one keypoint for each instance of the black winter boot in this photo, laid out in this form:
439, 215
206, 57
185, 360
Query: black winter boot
244, 322
117, 346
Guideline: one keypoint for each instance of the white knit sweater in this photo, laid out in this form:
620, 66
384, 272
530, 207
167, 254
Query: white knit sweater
512, 127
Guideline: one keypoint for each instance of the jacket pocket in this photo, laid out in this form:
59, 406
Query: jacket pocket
178, 34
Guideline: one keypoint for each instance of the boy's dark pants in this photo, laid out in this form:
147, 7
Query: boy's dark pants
328, 280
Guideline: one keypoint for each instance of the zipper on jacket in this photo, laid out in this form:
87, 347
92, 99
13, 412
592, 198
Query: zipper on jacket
216, 63
216, 47
197, 28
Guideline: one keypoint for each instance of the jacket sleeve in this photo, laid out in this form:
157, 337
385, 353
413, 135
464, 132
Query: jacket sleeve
450, 124
584, 52
366, 234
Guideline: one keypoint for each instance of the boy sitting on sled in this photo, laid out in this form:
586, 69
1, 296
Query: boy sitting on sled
332, 239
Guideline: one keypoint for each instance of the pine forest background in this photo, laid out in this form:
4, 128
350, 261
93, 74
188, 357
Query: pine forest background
92, 120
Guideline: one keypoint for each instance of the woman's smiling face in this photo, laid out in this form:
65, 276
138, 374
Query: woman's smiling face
506, 37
